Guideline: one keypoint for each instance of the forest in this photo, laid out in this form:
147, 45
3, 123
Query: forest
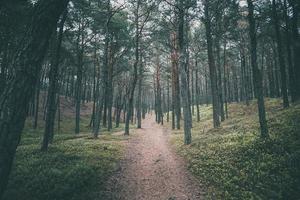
149, 100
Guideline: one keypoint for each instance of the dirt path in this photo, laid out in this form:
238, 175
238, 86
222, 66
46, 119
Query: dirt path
151, 170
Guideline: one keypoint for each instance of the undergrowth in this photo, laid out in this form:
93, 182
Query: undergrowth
75, 167
233, 161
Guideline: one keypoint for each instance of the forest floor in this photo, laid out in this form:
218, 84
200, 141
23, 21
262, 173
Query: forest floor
150, 170
75, 167
233, 162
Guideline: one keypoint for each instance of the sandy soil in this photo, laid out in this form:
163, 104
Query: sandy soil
151, 170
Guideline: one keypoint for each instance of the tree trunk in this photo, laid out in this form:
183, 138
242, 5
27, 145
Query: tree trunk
119, 108
276, 74
58, 115
53, 82
168, 100
37, 103
135, 70
206, 86
173, 97
197, 94
192, 92
225, 72
158, 90
296, 46
139, 97
257, 78
175, 81
212, 67
183, 76
219, 82
79, 75
19, 90
280, 57
244, 77
110, 103
95, 80
78, 91
99, 105
289, 54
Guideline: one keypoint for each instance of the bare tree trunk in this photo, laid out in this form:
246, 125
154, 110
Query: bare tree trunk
225, 80
119, 107
105, 99
106, 65
257, 78
158, 90
206, 86
78, 84
175, 81
37, 103
183, 76
212, 67
58, 115
244, 76
139, 97
280, 57
95, 79
289, 54
102, 82
110, 96
99, 103
168, 100
219, 82
135, 70
276, 72
192, 92
99, 108
53, 82
173, 97
197, 94
296, 46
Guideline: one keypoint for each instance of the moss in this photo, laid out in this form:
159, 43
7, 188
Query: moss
234, 163
75, 166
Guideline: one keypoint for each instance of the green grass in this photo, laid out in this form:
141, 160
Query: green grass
75, 167
234, 163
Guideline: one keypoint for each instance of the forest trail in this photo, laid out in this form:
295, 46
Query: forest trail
151, 170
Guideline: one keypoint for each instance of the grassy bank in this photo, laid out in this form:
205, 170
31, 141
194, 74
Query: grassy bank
234, 163
75, 167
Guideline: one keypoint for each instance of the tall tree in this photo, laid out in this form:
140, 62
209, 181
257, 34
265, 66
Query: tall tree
211, 63
18, 92
53, 82
292, 84
140, 19
296, 45
183, 74
257, 76
135, 67
280, 56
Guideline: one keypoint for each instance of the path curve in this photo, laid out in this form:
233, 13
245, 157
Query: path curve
151, 170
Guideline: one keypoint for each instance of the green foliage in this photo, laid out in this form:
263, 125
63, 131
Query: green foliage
74, 167
234, 163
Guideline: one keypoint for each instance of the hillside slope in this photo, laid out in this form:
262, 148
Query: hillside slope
234, 163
